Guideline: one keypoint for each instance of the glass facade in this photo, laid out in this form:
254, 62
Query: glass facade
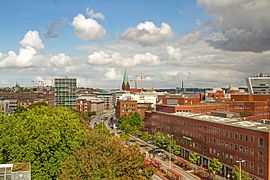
65, 92
259, 85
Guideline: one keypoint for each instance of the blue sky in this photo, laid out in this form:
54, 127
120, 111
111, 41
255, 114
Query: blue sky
169, 41
18, 17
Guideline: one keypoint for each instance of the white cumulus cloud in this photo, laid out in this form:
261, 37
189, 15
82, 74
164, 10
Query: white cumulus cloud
60, 60
87, 28
31, 38
174, 53
112, 74
148, 33
94, 15
31, 44
117, 59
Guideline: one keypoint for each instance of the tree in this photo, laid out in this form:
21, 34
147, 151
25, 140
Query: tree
130, 123
215, 166
194, 158
166, 142
43, 136
236, 174
20, 109
104, 157
146, 136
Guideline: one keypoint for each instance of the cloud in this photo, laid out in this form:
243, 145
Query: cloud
52, 29
28, 53
112, 74
93, 15
60, 60
117, 59
174, 53
31, 39
243, 25
87, 28
148, 34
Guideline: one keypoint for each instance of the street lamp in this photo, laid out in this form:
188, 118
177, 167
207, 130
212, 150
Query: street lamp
240, 166
228, 176
171, 137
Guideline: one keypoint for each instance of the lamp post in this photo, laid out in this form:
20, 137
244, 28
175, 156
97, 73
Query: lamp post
240, 167
171, 136
228, 176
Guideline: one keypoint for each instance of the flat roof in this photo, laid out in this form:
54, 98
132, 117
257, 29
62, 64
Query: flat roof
235, 122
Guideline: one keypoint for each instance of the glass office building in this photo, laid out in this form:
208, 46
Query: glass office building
65, 92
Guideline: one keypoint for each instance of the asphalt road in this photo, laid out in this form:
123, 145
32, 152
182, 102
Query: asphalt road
145, 147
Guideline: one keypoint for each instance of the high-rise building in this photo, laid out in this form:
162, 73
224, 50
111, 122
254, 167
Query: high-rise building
125, 84
259, 84
65, 92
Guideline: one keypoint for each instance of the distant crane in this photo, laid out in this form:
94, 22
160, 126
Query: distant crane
141, 78
42, 82
135, 82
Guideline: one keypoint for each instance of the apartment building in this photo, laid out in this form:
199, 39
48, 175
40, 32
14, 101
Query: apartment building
227, 139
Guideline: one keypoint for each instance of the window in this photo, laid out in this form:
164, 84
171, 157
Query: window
252, 139
246, 138
241, 149
252, 152
236, 135
236, 147
252, 165
260, 141
241, 137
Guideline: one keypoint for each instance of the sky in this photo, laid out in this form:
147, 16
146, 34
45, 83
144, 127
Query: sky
204, 43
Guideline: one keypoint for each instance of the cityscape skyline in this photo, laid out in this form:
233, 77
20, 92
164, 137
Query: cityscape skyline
95, 41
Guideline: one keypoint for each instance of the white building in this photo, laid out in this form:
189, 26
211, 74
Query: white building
259, 84
8, 106
141, 98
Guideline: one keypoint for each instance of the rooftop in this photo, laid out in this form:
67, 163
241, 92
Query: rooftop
226, 121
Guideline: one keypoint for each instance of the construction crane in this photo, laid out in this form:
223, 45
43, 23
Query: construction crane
42, 82
141, 78
135, 82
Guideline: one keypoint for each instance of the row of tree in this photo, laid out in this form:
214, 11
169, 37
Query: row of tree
133, 124
43, 136
104, 156
60, 145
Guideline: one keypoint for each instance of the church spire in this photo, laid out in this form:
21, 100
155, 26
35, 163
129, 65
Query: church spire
125, 79
125, 84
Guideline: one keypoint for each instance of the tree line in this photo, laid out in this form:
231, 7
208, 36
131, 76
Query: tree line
59, 144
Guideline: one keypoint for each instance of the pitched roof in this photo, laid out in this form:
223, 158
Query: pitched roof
125, 78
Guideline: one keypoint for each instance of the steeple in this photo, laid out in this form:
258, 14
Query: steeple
125, 84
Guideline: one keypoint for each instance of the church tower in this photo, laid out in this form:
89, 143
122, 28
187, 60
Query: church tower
125, 84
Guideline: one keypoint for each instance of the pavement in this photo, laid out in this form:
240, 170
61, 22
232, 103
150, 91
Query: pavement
145, 147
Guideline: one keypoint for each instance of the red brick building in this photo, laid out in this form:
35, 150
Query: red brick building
180, 100
125, 108
255, 107
128, 106
199, 108
227, 139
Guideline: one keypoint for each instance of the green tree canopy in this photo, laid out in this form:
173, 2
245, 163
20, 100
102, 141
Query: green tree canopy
215, 166
131, 123
104, 157
166, 142
43, 136
194, 157
236, 174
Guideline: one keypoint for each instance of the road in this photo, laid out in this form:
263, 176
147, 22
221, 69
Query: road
145, 147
